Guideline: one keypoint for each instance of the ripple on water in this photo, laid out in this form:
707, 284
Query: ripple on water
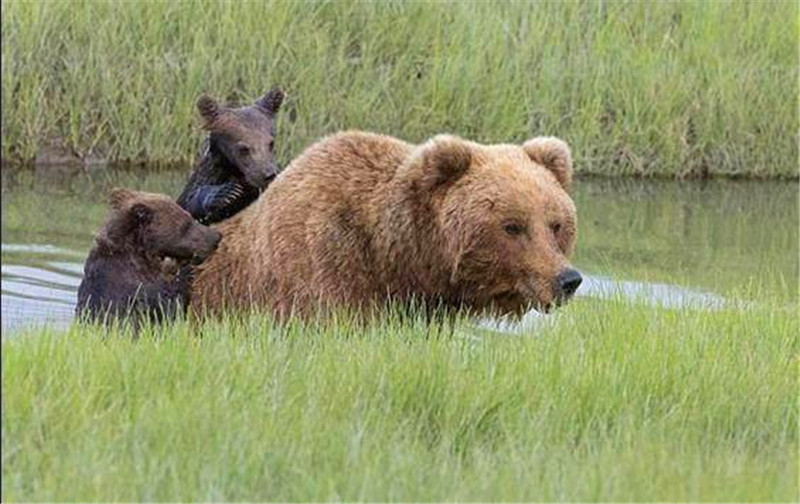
39, 286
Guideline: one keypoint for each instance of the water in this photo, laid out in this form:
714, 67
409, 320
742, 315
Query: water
665, 243
43, 293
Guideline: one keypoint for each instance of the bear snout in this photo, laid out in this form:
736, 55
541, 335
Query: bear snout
214, 237
260, 179
205, 245
566, 284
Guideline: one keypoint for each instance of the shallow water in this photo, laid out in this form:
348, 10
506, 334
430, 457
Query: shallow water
666, 243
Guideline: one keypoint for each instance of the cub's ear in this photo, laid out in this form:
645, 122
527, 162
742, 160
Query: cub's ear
554, 154
208, 107
141, 213
271, 102
441, 160
120, 197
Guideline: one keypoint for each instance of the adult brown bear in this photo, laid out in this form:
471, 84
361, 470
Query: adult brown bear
361, 218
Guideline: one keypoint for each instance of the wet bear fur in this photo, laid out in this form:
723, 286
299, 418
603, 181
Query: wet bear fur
236, 161
135, 268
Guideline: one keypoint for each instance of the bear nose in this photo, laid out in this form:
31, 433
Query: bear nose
568, 282
216, 236
260, 180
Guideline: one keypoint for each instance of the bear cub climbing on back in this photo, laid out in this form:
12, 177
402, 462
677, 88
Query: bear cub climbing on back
134, 268
236, 162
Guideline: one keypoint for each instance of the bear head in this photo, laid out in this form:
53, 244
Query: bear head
245, 136
504, 220
155, 226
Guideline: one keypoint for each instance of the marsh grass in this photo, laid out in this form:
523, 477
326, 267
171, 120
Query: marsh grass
611, 401
685, 89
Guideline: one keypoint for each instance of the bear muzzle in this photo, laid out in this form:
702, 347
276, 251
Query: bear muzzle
543, 296
566, 284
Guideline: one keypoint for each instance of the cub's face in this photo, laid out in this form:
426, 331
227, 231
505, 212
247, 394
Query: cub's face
163, 228
508, 221
245, 136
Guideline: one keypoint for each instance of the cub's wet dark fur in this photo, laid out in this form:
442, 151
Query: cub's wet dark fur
134, 269
236, 162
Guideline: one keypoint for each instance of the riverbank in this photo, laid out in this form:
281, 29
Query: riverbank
686, 90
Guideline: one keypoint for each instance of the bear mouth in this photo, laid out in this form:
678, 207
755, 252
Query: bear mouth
516, 303
511, 302
183, 260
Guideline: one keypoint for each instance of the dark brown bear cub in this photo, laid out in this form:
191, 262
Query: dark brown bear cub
131, 270
236, 162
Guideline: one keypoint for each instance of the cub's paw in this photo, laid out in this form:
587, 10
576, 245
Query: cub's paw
223, 201
222, 196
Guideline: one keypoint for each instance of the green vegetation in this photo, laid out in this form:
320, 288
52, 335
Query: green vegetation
611, 401
661, 89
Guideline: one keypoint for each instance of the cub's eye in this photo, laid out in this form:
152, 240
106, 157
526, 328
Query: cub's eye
555, 227
243, 150
272, 145
514, 229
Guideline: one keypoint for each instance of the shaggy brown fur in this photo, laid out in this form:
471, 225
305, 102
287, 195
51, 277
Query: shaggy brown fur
360, 218
237, 159
134, 267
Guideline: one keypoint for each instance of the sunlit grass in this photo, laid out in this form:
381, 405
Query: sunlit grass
612, 401
651, 88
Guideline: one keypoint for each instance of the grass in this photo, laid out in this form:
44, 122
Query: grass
611, 401
689, 89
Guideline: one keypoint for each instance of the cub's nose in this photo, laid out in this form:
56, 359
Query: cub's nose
208, 243
568, 282
261, 179
214, 237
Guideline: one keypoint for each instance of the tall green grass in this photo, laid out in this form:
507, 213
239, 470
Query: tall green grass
607, 401
648, 88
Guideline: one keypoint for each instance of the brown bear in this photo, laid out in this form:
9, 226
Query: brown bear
359, 219
236, 162
134, 268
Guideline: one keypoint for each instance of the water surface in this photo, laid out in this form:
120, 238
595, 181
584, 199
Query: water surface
667, 243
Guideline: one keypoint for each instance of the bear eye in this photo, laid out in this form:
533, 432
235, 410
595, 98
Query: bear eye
272, 145
243, 150
514, 229
555, 227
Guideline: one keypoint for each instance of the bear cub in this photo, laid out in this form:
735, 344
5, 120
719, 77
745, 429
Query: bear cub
135, 267
236, 162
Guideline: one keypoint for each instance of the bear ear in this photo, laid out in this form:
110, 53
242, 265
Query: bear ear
441, 160
141, 213
208, 107
554, 154
271, 102
120, 197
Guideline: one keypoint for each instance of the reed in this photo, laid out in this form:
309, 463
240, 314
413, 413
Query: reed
689, 89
